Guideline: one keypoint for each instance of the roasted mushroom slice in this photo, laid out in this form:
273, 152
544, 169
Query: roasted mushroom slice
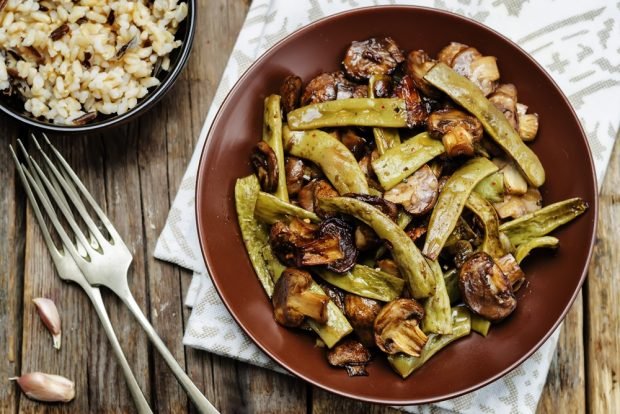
457, 130
418, 63
417, 110
382, 86
294, 175
510, 267
485, 74
447, 54
505, 99
361, 313
389, 266
528, 123
311, 192
265, 165
331, 86
485, 289
366, 238
516, 206
372, 57
461, 250
397, 328
461, 63
292, 299
336, 295
417, 193
300, 244
385, 206
290, 91
341, 230
352, 355
355, 143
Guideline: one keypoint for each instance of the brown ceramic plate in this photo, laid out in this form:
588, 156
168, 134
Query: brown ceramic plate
554, 278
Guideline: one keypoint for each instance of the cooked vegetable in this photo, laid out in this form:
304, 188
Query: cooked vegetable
492, 187
461, 326
351, 355
447, 54
510, 267
485, 289
411, 263
505, 99
311, 192
343, 232
543, 221
484, 73
397, 328
437, 312
337, 326
385, 113
451, 279
354, 143
293, 300
451, 202
443, 121
469, 96
361, 313
528, 123
372, 57
383, 205
524, 249
265, 164
514, 183
294, 169
418, 63
487, 216
480, 325
385, 138
461, 251
417, 111
403, 160
365, 281
516, 206
336, 161
417, 193
290, 91
269, 209
331, 86
272, 135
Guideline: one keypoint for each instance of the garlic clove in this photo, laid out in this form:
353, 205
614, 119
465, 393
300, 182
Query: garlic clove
46, 387
51, 319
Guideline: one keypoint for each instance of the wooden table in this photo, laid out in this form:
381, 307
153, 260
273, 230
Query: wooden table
134, 172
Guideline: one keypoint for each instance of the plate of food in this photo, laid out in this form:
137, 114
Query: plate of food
397, 204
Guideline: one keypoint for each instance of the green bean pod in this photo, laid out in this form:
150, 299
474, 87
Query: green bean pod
405, 364
451, 201
437, 313
365, 281
400, 162
334, 158
480, 324
525, 248
337, 326
270, 209
402, 220
384, 112
272, 135
543, 221
410, 261
491, 243
385, 138
469, 96
492, 187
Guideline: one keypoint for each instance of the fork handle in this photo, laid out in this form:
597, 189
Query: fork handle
95, 296
200, 401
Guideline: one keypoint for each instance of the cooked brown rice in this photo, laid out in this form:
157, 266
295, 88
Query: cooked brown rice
73, 59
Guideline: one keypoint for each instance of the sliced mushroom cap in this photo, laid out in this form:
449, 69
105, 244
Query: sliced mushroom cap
418, 64
461, 251
485, 74
458, 142
341, 230
366, 238
290, 91
417, 109
389, 266
415, 233
382, 87
397, 328
505, 99
485, 289
417, 193
294, 174
516, 206
445, 120
292, 299
510, 267
447, 54
265, 165
355, 143
372, 57
352, 355
335, 295
311, 192
329, 87
461, 63
528, 125
385, 206
361, 313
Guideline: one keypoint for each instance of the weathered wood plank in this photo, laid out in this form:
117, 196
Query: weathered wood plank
565, 389
325, 402
603, 292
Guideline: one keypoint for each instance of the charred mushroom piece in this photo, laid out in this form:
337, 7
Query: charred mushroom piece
397, 328
335, 295
447, 54
356, 144
294, 175
311, 192
528, 123
385, 206
417, 232
485, 74
366, 238
329, 87
510, 267
418, 63
417, 110
505, 99
372, 57
361, 313
485, 288
341, 230
389, 266
290, 91
461, 63
516, 206
300, 244
350, 354
458, 142
382, 87
265, 165
461, 250
445, 120
292, 299
417, 193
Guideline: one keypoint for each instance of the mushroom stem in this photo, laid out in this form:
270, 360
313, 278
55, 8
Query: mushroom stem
310, 304
409, 338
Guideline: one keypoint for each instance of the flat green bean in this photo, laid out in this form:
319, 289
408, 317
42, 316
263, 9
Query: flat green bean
384, 112
337, 326
401, 161
480, 324
437, 313
492, 187
451, 201
451, 279
272, 135
385, 138
469, 96
488, 217
543, 221
365, 281
410, 261
334, 158
525, 248
270, 209
403, 219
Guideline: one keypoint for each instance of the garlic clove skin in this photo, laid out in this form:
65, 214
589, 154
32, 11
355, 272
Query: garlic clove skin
46, 387
49, 316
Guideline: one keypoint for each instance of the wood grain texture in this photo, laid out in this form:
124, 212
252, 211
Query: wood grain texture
134, 172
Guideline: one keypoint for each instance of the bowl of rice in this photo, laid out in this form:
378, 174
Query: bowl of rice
78, 66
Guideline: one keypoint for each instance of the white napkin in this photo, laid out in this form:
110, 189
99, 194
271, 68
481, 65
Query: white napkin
579, 45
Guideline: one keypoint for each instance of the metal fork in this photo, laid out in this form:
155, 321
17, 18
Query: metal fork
68, 270
104, 261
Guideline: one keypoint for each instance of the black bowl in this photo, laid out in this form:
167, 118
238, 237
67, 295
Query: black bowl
178, 59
